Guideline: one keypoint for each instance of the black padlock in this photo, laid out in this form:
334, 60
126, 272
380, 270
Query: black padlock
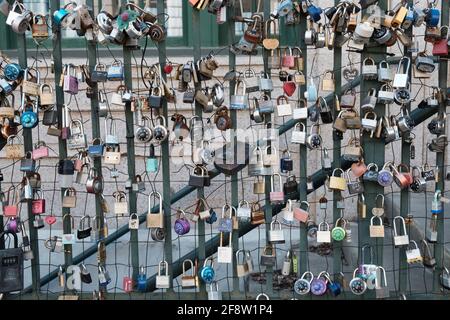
84, 231
28, 164
337, 135
11, 268
50, 117
286, 163
290, 188
66, 167
1, 176
155, 98
85, 274
197, 178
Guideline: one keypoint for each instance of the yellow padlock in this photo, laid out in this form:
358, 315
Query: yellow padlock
338, 183
399, 17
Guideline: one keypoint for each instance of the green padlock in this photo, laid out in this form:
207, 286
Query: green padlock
151, 163
338, 233
294, 263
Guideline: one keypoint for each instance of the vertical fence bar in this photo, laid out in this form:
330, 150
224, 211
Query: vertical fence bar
28, 147
440, 163
196, 40
405, 193
374, 151
267, 179
95, 123
337, 195
62, 146
303, 153
131, 154
233, 113
165, 156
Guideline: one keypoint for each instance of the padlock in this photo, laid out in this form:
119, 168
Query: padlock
440, 47
155, 219
253, 33
160, 132
354, 187
94, 182
116, 98
225, 253
188, 281
284, 108
323, 235
70, 81
357, 285
38, 205
301, 111
181, 225
369, 102
299, 133
99, 73
311, 91
115, 71
268, 256
419, 183
103, 277
445, 278
385, 94
242, 267
428, 260
376, 231
431, 232
29, 118
95, 150
413, 254
319, 284
314, 139
276, 196
120, 203
265, 83
302, 285
286, 162
287, 263
361, 206
337, 183
214, 293
28, 164
276, 234
384, 72
338, 233
163, 280
256, 166
46, 96
26, 190
243, 210
436, 203
112, 154
270, 159
325, 112
381, 290
133, 222
77, 138
401, 76
258, 186
369, 69
84, 228
69, 238
378, 209
348, 99
207, 272
400, 240
427, 173
328, 81
385, 176
270, 42
155, 97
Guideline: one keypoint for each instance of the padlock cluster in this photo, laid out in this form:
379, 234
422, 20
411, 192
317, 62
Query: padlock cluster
360, 27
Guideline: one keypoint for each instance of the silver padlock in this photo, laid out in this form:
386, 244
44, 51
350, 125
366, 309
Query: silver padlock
286, 269
214, 293
402, 75
400, 240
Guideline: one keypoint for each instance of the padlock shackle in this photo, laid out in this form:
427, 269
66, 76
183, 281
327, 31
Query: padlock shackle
383, 272
191, 266
157, 195
382, 200
72, 220
7, 232
363, 251
306, 273
379, 220
166, 267
402, 221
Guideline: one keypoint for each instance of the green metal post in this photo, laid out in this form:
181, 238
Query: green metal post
165, 156
62, 146
303, 157
95, 123
234, 178
337, 195
131, 164
405, 193
28, 146
374, 150
440, 163
196, 39
267, 179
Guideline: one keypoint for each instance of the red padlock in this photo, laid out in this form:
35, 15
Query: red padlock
288, 60
127, 284
399, 178
78, 162
359, 168
440, 47
405, 172
11, 209
40, 150
38, 205
289, 88
300, 214
168, 68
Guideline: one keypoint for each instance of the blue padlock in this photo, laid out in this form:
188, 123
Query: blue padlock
12, 71
334, 287
409, 19
29, 118
311, 92
432, 18
436, 203
207, 273
142, 279
59, 15
315, 13
212, 217
151, 163
284, 7
96, 149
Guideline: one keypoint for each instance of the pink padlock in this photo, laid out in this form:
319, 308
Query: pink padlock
276, 196
40, 150
405, 172
359, 168
38, 205
288, 59
300, 214
127, 284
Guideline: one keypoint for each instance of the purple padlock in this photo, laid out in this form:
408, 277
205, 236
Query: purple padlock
319, 285
182, 225
13, 225
385, 176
